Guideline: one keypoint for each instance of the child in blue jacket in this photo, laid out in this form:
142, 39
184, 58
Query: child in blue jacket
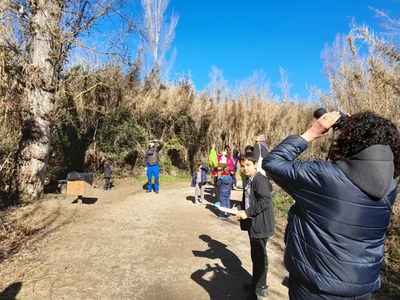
225, 185
199, 181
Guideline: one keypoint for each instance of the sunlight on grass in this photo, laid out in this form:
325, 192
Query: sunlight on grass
282, 202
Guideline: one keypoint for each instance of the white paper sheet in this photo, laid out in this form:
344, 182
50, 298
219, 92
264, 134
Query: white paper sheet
227, 210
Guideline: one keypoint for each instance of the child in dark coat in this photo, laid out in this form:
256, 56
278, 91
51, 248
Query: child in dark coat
199, 181
107, 176
225, 185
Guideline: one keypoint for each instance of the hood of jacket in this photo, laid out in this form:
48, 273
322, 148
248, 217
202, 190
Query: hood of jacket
371, 170
226, 179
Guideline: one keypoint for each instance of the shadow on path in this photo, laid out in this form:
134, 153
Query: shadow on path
223, 281
11, 291
85, 200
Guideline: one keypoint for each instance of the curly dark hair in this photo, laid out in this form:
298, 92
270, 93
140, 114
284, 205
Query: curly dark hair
363, 130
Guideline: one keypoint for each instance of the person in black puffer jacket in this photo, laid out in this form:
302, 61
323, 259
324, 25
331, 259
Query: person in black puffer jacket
337, 226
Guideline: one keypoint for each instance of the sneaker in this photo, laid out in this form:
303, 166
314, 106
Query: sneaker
156, 192
147, 191
262, 294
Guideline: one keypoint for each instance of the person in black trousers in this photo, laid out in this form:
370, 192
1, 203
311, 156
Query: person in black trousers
107, 176
257, 217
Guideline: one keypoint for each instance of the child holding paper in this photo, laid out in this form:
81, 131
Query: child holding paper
257, 217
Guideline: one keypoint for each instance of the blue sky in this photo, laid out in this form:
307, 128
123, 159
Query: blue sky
242, 36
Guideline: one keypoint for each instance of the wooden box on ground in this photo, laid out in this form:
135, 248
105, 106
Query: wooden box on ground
77, 187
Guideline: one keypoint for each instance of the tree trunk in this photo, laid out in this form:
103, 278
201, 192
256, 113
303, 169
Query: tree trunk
35, 141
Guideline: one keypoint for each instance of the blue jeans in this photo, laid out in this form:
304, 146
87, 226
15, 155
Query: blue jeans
224, 202
153, 171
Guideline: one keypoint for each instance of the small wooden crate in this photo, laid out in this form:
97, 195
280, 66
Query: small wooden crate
77, 187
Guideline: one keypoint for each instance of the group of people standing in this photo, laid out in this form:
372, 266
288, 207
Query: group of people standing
257, 214
337, 226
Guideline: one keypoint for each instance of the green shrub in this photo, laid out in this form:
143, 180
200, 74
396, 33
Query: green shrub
282, 202
118, 134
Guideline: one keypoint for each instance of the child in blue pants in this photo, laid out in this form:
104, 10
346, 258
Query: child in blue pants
225, 185
151, 163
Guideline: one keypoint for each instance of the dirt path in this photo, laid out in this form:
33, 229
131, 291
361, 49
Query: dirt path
126, 244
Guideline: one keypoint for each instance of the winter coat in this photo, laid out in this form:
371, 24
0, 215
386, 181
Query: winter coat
107, 170
229, 162
261, 220
213, 159
337, 227
235, 159
204, 171
225, 184
151, 156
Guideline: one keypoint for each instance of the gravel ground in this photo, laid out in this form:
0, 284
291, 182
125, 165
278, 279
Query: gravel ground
127, 244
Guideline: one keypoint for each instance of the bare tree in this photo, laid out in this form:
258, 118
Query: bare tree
255, 86
284, 84
158, 36
363, 69
38, 35
217, 88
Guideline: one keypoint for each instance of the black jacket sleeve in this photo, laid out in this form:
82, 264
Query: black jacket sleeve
261, 189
